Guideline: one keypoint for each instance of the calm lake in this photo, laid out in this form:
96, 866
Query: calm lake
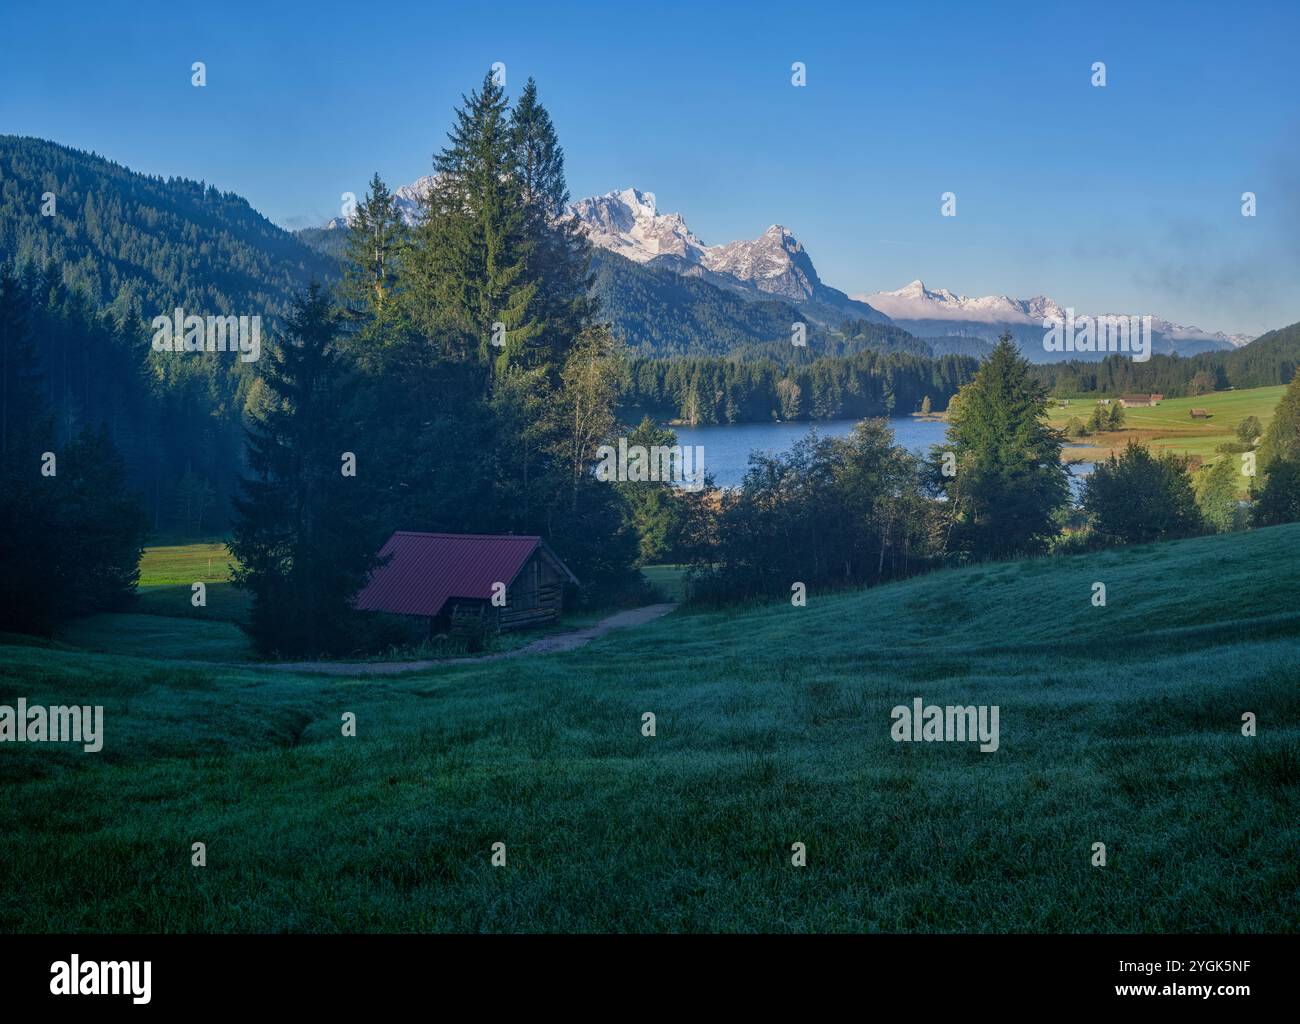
727, 447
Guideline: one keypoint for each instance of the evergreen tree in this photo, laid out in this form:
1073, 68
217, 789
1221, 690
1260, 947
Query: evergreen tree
1010, 483
100, 525
376, 237
653, 510
29, 588
470, 287
1116, 419
305, 536
1278, 464
70, 538
558, 252
1282, 439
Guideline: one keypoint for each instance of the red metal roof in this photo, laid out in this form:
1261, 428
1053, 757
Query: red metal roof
428, 568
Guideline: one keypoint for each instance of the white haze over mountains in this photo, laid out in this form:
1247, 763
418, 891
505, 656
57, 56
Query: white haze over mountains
776, 265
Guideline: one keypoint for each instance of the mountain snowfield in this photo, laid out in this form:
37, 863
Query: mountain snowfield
627, 222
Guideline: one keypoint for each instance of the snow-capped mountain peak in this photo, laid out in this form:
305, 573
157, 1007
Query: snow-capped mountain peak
628, 222
409, 197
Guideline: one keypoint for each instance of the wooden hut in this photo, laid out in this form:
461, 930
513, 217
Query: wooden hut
468, 582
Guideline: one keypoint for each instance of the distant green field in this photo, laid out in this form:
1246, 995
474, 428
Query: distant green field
1118, 725
1170, 425
185, 564
168, 573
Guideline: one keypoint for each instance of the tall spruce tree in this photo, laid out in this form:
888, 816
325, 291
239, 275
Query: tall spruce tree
376, 236
559, 253
100, 524
470, 291
1010, 484
305, 535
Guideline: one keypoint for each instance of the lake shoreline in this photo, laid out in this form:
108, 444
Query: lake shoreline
726, 447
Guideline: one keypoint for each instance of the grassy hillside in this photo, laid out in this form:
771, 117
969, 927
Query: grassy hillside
1118, 725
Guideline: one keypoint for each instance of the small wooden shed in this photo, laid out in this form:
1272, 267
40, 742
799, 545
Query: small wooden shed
1200, 414
463, 582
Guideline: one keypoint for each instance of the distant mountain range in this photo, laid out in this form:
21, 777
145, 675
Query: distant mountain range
138, 241
626, 225
939, 314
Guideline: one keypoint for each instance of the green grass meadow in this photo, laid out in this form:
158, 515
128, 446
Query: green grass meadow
1118, 725
1169, 426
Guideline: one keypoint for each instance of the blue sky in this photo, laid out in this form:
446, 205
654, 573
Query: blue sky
1117, 199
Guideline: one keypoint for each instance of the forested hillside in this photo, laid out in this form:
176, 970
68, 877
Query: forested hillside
141, 244
99, 250
1269, 360
660, 313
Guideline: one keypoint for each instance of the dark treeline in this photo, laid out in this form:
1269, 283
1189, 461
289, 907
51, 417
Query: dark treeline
822, 382
867, 384
175, 420
1269, 360
70, 529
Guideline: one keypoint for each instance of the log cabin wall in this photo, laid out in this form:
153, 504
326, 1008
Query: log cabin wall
536, 596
